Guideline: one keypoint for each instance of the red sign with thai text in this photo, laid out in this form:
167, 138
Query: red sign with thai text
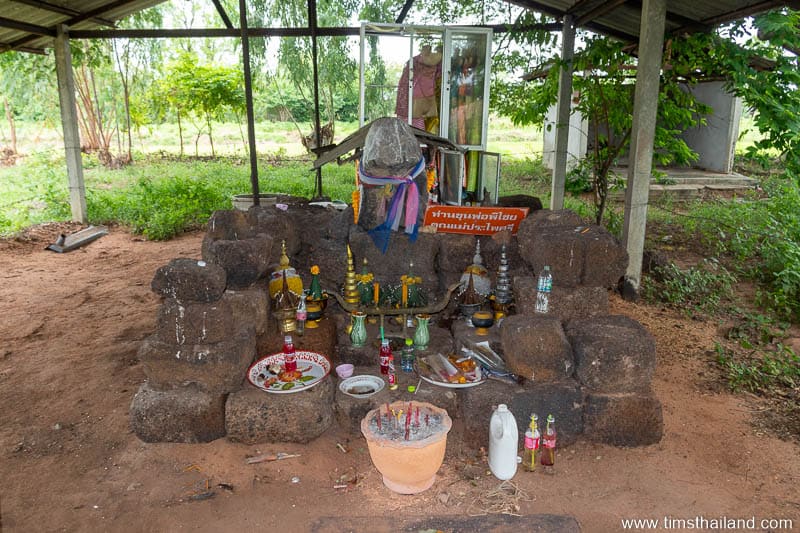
474, 220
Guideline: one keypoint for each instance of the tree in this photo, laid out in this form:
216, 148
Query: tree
763, 67
204, 93
604, 76
21, 75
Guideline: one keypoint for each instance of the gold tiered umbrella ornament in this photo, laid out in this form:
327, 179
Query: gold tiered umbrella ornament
293, 280
285, 290
351, 293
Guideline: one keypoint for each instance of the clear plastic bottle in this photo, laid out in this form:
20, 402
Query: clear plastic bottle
289, 360
300, 316
543, 288
549, 444
392, 376
532, 440
407, 357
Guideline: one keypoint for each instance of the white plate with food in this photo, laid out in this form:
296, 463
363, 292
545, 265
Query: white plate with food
450, 372
362, 386
269, 374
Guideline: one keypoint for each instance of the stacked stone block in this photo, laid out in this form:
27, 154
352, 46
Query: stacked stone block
615, 361
590, 370
197, 355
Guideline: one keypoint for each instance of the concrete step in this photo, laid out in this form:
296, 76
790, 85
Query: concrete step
688, 184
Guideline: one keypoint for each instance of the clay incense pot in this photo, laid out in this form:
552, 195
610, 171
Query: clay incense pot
408, 466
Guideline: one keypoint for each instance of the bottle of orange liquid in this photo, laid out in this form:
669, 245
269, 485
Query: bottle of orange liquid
549, 444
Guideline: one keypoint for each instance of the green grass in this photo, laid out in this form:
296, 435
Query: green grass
160, 194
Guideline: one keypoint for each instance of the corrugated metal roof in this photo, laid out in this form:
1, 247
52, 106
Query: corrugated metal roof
621, 18
30, 25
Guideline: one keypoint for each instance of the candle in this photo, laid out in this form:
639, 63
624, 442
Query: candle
376, 293
378, 419
404, 301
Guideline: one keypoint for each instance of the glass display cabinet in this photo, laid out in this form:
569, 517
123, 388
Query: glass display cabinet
436, 78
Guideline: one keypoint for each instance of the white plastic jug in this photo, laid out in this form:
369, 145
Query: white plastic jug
503, 440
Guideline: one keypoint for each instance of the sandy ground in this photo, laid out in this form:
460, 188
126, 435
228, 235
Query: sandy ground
70, 326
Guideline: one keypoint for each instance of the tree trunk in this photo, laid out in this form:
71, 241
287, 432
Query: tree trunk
210, 138
180, 131
11, 126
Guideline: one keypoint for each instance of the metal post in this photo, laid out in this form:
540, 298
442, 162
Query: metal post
312, 24
563, 111
248, 96
645, 106
69, 122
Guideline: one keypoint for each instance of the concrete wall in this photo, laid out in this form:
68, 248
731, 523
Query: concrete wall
578, 135
715, 142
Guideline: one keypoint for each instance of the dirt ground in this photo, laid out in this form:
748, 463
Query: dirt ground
70, 328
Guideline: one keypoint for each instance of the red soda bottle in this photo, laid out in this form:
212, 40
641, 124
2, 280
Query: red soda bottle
289, 361
549, 442
385, 355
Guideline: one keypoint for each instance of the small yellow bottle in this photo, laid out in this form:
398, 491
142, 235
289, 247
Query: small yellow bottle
531, 445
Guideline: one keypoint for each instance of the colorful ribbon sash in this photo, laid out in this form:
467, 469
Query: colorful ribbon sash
406, 195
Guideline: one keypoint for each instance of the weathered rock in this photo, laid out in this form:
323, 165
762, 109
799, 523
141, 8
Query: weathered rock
612, 353
536, 348
547, 218
253, 416
279, 225
566, 303
623, 419
244, 260
560, 247
521, 200
390, 267
492, 523
491, 248
249, 307
577, 254
390, 148
350, 410
321, 339
194, 322
219, 367
605, 259
456, 252
187, 414
563, 400
230, 224
189, 280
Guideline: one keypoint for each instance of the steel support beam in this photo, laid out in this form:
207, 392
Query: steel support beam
248, 97
312, 25
223, 15
645, 107
563, 110
69, 122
